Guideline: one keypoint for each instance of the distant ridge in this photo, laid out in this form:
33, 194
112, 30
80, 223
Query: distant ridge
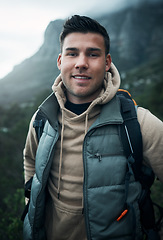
136, 37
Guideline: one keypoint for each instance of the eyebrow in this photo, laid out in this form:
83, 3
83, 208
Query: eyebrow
88, 49
94, 49
71, 49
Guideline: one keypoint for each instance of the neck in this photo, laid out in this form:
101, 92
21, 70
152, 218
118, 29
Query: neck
77, 108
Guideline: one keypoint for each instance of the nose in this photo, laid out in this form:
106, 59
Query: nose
81, 62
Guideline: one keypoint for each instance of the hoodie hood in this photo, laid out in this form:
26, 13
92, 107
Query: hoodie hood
111, 86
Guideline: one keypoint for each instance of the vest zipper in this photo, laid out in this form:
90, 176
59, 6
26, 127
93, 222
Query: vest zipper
99, 156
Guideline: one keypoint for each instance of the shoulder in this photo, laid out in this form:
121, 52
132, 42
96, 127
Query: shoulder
149, 121
152, 135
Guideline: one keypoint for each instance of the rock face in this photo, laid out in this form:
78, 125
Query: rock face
136, 34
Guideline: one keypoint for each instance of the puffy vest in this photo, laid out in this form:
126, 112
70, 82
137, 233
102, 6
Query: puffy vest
107, 185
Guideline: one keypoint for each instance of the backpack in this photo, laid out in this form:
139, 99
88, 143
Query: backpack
133, 148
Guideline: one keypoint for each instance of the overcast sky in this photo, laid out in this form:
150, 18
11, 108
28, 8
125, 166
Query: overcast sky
23, 22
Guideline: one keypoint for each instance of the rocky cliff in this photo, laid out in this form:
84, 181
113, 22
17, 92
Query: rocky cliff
136, 34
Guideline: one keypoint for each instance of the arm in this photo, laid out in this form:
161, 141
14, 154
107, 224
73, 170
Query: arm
29, 152
152, 133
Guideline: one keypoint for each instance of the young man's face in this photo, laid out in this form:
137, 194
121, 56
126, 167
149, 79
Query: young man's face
83, 64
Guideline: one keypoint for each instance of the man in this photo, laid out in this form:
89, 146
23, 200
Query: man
78, 189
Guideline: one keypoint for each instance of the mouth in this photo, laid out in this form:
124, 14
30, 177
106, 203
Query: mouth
79, 77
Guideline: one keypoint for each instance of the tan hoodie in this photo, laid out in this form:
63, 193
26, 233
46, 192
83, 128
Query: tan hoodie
64, 218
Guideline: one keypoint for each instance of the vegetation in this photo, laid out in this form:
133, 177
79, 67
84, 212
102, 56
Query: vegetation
13, 130
145, 84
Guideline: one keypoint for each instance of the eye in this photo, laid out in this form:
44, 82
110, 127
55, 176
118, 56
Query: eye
93, 55
72, 54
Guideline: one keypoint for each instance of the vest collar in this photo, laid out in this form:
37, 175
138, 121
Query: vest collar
50, 108
110, 113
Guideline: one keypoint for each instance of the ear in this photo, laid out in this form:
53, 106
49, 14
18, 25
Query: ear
108, 62
59, 61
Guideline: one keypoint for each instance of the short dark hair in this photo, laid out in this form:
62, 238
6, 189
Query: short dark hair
84, 24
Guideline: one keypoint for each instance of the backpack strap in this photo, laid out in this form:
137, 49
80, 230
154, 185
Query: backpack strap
39, 123
27, 193
130, 132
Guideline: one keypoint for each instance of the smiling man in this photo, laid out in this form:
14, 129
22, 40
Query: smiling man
79, 166
83, 64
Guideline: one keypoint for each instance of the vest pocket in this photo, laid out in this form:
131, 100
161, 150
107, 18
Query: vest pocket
105, 205
128, 227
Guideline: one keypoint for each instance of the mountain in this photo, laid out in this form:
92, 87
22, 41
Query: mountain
136, 34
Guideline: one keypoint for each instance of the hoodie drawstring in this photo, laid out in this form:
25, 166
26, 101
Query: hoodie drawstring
61, 153
86, 123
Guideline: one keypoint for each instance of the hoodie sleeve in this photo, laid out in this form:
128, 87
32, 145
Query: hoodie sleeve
29, 152
152, 134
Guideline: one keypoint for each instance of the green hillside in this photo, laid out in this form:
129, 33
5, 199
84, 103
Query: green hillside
145, 83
